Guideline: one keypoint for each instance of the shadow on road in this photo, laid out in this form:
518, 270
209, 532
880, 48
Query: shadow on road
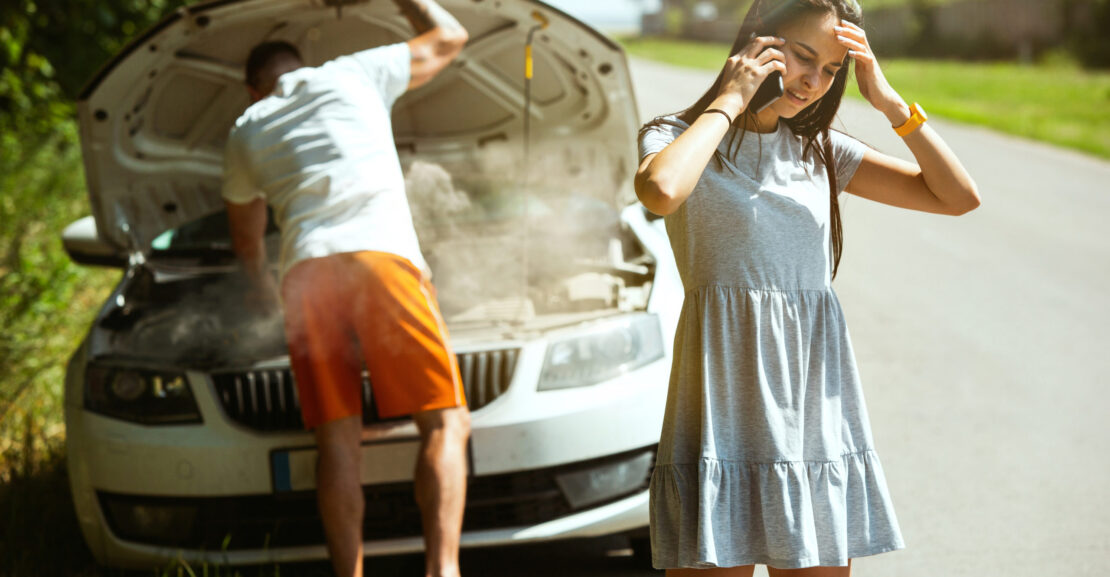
603, 556
609, 556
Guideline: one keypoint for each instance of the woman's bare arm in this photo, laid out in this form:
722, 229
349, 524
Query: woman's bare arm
665, 180
939, 183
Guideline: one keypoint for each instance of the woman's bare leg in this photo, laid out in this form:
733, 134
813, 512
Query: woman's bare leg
812, 571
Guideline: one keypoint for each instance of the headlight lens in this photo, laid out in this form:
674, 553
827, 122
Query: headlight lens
140, 396
606, 352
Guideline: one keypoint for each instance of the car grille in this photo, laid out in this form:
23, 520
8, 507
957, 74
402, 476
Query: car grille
267, 399
509, 500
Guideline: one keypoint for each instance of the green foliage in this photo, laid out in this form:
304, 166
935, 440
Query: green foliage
1092, 46
1060, 105
911, 30
50, 48
1065, 106
46, 302
30, 98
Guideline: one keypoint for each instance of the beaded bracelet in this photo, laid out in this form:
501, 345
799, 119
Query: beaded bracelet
722, 113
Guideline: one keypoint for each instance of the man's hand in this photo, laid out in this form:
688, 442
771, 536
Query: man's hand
440, 38
425, 15
264, 296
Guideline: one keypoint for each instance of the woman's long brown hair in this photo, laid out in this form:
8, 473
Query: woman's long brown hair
766, 18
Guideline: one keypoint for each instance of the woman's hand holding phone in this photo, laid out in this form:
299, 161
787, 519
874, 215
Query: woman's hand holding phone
746, 71
666, 179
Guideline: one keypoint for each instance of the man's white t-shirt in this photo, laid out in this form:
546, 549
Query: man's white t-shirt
320, 149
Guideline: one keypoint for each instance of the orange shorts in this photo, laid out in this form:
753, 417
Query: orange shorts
344, 310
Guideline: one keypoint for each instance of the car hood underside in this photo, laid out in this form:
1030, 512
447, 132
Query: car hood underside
155, 119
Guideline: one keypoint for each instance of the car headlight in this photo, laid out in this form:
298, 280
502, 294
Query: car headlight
140, 396
608, 351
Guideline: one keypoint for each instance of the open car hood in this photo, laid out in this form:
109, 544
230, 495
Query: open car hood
154, 120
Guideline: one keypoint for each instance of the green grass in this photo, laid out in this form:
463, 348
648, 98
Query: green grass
1058, 104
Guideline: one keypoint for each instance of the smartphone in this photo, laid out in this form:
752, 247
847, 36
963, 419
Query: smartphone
768, 92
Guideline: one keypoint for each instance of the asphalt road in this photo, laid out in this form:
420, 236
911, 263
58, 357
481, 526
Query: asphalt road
984, 345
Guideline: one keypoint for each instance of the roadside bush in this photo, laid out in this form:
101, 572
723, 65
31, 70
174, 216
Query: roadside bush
1092, 44
48, 50
46, 301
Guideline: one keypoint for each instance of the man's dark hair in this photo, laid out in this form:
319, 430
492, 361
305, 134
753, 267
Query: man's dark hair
262, 54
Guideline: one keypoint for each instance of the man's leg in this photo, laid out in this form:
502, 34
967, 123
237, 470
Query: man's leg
339, 492
328, 371
407, 350
441, 485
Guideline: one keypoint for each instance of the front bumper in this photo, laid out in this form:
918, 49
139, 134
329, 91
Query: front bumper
501, 509
627, 514
214, 483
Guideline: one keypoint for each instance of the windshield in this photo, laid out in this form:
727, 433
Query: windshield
208, 237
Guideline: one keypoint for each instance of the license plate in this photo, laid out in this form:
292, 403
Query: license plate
383, 462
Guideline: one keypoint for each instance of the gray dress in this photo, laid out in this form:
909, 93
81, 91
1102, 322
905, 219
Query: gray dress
766, 453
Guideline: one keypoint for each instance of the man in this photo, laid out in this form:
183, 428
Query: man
317, 146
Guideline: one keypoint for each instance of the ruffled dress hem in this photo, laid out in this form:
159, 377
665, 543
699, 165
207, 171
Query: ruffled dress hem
786, 563
785, 514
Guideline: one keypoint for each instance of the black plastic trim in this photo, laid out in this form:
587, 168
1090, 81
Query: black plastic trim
110, 261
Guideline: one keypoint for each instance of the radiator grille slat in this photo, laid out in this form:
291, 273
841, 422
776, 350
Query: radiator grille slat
268, 400
495, 380
254, 393
281, 392
238, 395
466, 367
266, 392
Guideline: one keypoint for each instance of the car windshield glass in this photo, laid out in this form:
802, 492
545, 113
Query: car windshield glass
206, 234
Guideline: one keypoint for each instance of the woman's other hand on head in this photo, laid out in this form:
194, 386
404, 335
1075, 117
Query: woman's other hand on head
873, 85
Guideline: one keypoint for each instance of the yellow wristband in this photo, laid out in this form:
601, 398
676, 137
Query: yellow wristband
917, 118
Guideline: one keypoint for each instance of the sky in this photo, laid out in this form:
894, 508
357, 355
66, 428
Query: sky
607, 14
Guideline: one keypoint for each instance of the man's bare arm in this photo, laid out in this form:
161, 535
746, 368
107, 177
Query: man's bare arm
248, 240
440, 38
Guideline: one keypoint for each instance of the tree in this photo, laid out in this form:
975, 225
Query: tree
50, 48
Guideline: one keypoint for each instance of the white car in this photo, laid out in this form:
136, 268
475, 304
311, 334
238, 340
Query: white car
561, 295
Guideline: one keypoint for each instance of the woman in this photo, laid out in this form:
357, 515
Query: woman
766, 454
